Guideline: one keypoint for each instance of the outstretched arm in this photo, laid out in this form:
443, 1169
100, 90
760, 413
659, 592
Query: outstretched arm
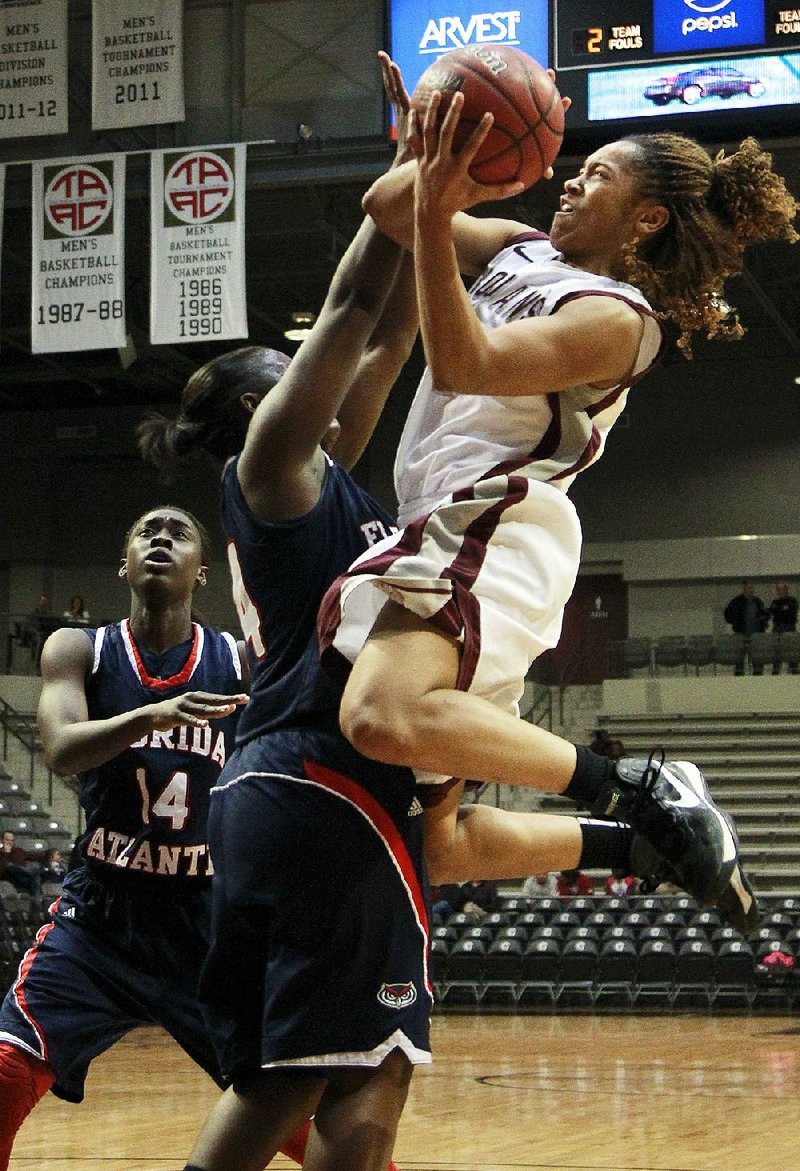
384, 356
72, 742
343, 371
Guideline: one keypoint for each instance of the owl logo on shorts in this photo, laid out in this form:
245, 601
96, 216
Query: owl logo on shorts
397, 995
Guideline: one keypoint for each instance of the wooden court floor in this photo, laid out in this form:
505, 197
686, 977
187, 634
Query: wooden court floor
505, 1093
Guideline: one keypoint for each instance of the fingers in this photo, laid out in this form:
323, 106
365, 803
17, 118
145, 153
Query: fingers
197, 708
393, 81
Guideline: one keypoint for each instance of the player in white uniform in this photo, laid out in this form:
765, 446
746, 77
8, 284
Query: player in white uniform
525, 377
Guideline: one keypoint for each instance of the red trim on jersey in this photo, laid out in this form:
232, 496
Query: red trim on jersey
18, 989
369, 807
183, 676
533, 234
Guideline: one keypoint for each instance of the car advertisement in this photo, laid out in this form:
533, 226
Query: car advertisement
688, 87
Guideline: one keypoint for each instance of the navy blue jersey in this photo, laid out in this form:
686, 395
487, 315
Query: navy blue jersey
146, 810
280, 571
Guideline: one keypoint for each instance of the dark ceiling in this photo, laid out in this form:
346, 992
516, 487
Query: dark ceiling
298, 222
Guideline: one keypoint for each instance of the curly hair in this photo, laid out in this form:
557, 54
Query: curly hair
211, 416
717, 207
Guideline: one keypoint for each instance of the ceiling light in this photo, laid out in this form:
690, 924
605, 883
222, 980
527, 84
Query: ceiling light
302, 321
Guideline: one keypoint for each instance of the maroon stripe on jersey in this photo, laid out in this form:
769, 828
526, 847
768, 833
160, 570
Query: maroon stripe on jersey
345, 787
589, 452
606, 402
18, 990
463, 613
549, 443
183, 676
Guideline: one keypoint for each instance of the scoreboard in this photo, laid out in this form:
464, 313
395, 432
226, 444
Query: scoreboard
698, 65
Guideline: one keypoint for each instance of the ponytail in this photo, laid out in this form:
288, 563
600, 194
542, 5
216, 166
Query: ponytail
211, 417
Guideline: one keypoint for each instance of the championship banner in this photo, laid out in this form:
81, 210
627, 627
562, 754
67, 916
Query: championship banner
78, 295
197, 270
33, 68
137, 63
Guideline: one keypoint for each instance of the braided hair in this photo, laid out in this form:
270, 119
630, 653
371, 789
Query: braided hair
717, 207
211, 416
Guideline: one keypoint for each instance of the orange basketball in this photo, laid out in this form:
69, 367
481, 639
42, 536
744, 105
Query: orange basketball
528, 116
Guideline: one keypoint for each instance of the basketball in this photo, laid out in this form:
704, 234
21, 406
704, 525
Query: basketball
528, 115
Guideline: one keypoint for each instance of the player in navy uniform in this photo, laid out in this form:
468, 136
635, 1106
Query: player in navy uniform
145, 711
319, 892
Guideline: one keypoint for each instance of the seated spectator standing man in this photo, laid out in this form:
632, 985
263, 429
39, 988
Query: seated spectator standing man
746, 614
14, 864
783, 612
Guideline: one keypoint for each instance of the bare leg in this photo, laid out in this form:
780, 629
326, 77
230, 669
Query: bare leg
400, 706
253, 1119
478, 841
355, 1125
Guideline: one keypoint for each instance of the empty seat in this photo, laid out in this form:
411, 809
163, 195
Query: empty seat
699, 651
734, 974
788, 649
540, 972
578, 971
615, 976
637, 654
762, 651
729, 651
693, 981
670, 651
655, 970
465, 972
502, 972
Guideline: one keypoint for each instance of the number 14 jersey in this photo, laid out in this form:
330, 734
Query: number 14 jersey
146, 810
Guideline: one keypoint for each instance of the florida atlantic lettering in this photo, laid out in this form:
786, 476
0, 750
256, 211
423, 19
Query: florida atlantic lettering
146, 810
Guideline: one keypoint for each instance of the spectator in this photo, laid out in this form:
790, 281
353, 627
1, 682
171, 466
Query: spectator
14, 864
446, 899
605, 745
480, 897
615, 749
54, 868
540, 886
783, 612
619, 884
574, 882
746, 614
76, 613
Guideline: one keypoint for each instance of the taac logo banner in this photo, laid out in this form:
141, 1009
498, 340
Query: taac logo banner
197, 265
78, 253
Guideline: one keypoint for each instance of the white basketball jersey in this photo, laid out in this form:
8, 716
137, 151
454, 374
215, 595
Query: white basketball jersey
453, 440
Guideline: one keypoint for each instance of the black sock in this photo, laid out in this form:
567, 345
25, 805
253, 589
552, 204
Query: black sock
592, 771
192, 1167
606, 845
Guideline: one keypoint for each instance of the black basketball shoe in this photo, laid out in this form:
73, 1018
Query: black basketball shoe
737, 904
669, 804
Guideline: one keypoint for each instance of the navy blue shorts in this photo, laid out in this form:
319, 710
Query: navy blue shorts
105, 962
319, 948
